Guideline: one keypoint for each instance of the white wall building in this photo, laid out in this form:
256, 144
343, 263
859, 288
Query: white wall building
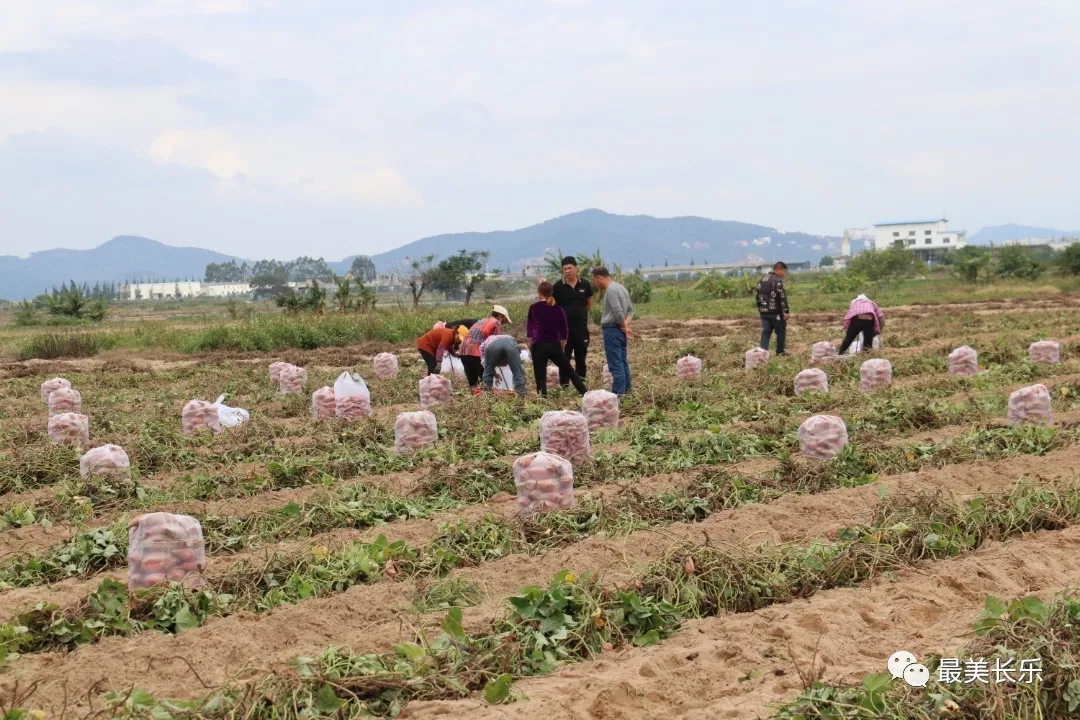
919, 235
160, 290
219, 290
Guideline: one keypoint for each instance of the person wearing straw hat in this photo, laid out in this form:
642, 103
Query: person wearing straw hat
470, 346
863, 317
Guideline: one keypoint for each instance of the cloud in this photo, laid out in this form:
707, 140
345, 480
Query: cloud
111, 64
382, 186
210, 150
267, 102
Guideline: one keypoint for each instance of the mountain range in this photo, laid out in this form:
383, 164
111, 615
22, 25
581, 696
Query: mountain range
628, 240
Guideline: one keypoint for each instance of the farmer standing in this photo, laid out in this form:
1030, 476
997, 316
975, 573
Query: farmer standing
547, 330
865, 317
575, 296
470, 346
615, 326
772, 305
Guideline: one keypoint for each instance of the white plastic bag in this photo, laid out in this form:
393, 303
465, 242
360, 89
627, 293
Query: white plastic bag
526, 356
822, 437
322, 404
200, 415
452, 366
503, 378
164, 548
857, 345
811, 380
386, 366
230, 417
352, 400
601, 409
69, 429
50, 386
106, 461
565, 433
291, 379
964, 361
875, 374
606, 376
1045, 351
65, 400
755, 357
1030, 405
434, 390
688, 367
414, 430
544, 482
822, 351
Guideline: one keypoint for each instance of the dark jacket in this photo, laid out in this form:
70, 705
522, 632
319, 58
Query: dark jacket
771, 296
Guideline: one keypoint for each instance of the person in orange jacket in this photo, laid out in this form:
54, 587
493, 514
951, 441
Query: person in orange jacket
434, 344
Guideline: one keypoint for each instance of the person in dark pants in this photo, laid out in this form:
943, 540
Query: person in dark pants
773, 308
434, 344
547, 330
863, 317
575, 296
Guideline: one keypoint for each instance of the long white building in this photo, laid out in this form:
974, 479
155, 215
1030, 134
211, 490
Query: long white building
919, 235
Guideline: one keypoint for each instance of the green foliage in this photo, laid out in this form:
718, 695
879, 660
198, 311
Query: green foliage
886, 265
25, 314
227, 272
1016, 261
845, 282
363, 269
970, 263
72, 301
639, 288
826, 261
417, 275
714, 287
494, 287
55, 345
459, 274
1070, 259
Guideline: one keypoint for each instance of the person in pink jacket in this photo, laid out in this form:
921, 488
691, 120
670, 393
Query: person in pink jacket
865, 317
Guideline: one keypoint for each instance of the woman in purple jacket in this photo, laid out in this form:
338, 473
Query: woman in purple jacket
547, 331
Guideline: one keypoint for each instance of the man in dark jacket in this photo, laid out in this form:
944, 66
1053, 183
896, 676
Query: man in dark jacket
574, 294
772, 305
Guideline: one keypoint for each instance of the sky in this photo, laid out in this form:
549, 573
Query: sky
278, 128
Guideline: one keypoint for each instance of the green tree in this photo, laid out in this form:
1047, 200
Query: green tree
826, 261
417, 275
970, 263
306, 268
363, 269
460, 273
886, 265
715, 287
1015, 261
270, 285
228, 272
639, 288
493, 286
1070, 259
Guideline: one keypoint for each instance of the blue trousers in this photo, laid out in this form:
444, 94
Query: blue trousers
617, 362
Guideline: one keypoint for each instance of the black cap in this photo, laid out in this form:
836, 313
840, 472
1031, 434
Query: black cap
569, 260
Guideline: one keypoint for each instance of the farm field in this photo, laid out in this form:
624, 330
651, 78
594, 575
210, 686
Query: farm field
708, 570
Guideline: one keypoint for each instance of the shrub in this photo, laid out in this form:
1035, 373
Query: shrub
53, 345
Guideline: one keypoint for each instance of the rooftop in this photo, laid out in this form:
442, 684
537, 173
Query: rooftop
911, 222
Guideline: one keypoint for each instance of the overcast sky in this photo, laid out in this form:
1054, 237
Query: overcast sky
332, 127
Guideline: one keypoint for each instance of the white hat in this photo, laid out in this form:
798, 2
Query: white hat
502, 311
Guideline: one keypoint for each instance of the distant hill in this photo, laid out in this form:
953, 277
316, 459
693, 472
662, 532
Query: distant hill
998, 234
122, 258
625, 239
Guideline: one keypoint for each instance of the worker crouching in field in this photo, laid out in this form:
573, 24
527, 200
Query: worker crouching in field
865, 317
548, 332
434, 344
499, 351
478, 333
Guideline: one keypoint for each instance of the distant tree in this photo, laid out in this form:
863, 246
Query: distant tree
494, 286
886, 265
639, 288
665, 262
827, 261
1070, 259
968, 263
460, 273
1016, 261
417, 275
363, 269
270, 285
306, 268
265, 268
227, 272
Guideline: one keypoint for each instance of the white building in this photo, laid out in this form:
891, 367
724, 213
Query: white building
922, 236
220, 290
160, 290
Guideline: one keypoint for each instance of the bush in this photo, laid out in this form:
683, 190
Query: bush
847, 282
54, 345
1016, 261
639, 288
1070, 259
716, 287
